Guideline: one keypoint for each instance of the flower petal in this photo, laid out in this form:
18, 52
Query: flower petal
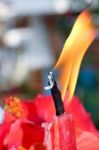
43, 109
23, 133
87, 141
4, 129
38, 110
82, 118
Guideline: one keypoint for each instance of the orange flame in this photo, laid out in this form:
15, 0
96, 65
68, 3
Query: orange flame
80, 38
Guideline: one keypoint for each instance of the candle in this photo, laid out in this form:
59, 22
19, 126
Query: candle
59, 134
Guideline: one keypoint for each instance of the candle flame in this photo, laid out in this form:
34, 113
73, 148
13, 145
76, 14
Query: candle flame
80, 38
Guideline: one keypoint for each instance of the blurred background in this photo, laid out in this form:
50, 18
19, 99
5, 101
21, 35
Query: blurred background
32, 34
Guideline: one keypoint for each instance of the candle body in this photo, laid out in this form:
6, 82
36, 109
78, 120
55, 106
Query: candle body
60, 134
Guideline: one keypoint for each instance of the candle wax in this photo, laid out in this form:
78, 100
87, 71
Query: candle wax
60, 134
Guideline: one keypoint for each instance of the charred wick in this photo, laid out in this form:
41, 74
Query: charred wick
56, 94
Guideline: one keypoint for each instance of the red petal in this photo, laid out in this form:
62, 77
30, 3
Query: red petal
82, 118
41, 109
14, 137
87, 141
4, 129
32, 134
37, 146
24, 134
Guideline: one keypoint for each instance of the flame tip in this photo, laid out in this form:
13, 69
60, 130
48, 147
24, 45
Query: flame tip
80, 38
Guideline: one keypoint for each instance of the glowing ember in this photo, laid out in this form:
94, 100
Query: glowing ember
80, 38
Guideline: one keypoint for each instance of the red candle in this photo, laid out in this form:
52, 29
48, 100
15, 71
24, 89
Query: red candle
60, 134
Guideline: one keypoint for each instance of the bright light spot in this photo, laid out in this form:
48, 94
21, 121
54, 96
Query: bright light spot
12, 38
61, 6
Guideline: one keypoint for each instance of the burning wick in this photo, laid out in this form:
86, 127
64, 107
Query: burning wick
55, 94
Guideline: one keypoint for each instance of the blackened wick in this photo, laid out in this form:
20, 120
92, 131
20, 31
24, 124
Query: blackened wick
55, 94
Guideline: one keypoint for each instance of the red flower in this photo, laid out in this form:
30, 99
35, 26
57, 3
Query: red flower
41, 110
